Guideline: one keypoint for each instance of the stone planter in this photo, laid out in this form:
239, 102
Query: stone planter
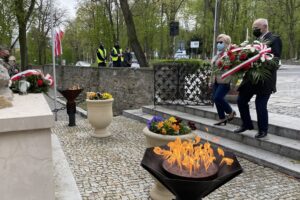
100, 116
159, 192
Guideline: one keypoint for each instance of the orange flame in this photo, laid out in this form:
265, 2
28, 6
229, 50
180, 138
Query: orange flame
190, 156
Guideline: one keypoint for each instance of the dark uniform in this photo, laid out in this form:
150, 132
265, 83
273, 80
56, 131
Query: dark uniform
262, 90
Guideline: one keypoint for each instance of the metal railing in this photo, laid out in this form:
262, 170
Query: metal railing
181, 84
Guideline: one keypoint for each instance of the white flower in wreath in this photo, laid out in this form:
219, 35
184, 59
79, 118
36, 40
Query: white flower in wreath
252, 49
244, 44
263, 59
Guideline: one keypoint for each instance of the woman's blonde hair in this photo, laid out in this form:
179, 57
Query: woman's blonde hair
225, 38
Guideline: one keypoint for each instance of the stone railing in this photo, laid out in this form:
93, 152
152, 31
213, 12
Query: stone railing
131, 88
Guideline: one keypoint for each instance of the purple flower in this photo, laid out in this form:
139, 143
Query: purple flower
154, 119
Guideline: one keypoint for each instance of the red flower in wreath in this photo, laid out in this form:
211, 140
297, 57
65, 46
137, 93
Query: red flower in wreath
40, 82
232, 58
243, 57
247, 66
220, 64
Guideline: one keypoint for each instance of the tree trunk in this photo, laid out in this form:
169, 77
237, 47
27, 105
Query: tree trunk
22, 19
108, 7
132, 34
23, 46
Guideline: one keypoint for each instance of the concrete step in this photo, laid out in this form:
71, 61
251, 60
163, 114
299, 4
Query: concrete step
65, 184
281, 125
276, 144
266, 158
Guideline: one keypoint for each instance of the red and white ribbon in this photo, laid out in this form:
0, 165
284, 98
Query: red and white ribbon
25, 73
49, 78
31, 72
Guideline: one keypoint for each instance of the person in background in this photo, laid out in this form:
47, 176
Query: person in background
221, 86
4, 61
127, 58
262, 89
13, 66
101, 56
117, 55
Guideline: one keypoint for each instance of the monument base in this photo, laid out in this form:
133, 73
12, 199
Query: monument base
26, 168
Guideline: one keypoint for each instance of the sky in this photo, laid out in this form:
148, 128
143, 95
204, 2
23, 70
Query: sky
69, 5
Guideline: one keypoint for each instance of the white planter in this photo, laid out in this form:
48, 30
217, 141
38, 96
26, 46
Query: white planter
100, 116
159, 192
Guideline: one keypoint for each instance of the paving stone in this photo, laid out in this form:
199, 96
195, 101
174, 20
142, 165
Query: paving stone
109, 168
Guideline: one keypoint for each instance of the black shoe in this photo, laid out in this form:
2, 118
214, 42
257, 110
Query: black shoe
261, 134
221, 122
241, 129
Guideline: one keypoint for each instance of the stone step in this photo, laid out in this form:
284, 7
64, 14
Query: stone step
281, 125
266, 158
276, 144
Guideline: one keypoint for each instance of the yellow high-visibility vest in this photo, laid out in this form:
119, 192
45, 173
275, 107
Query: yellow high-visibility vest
103, 54
115, 58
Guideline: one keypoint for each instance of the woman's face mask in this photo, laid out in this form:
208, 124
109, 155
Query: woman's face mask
220, 46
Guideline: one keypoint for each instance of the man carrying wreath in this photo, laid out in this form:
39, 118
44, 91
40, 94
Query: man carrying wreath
263, 88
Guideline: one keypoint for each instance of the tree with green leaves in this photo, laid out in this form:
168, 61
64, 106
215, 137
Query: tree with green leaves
23, 10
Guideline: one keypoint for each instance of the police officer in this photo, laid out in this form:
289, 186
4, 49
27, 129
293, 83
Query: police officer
117, 55
101, 56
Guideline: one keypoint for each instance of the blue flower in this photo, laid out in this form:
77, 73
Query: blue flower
154, 119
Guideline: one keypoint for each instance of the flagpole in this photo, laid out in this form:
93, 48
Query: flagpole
215, 29
53, 57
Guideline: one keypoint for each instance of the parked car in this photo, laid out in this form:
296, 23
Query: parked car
181, 54
82, 64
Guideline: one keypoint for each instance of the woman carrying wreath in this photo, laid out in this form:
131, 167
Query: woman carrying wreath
221, 86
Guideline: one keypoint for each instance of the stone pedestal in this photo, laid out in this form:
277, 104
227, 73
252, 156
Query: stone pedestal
26, 169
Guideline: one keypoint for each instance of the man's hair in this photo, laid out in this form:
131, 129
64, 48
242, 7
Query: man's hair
262, 21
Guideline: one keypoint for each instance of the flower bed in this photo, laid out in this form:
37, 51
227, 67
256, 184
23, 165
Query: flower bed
170, 126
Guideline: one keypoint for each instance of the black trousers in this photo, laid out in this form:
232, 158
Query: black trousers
103, 64
117, 63
261, 102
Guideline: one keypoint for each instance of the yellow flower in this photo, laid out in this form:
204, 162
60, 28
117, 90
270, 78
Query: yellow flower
172, 119
163, 131
106, 95
168, 123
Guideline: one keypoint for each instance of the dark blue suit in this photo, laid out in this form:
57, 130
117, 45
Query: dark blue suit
262, 90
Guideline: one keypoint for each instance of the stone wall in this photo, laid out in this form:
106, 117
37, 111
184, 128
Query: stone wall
131, 88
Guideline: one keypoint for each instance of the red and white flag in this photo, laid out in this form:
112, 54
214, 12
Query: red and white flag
58, 46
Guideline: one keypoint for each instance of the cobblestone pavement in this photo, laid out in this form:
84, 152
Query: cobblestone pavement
287, 98
109, 168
